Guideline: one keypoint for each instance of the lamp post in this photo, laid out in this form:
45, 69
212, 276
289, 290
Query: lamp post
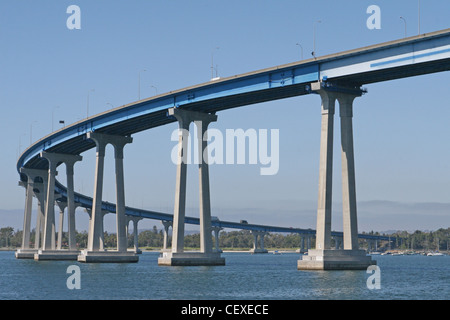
212, 63
301, 48
419, 16
404, 20
31, 132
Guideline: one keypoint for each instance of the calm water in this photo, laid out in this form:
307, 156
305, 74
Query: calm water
245, 277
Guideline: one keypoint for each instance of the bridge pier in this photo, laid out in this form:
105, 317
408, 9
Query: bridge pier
167, 225
135, 221
49, 251
94, 252
206, 255
216, 231
32, 188
258, 248
323, 257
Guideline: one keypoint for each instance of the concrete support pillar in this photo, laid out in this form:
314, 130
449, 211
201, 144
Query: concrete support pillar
216, 231
101, 218
62, 206
54, 160
258, 242
32, 175
135, 232
204, 194
33, 186
49, 222
261, 240
71, 205
95, 252
167, 225
323, 230
27, 214
96, 222
202, 121
206, 256
302, 245
40, 191
180, 188
255, 240
96, 227
348, 173
323, 258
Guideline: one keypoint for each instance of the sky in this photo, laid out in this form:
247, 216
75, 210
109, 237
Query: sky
401, 128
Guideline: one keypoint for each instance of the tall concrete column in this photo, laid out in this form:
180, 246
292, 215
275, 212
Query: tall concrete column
96, 222
119, 143
180, 188
261, 240
205, 201
206, 256
71, 206
135, 233
27, 214
255, 240
167, 225
62, 206
323, 258
40, 191
216, 231
32, 175
49, 223
95, 252
350, 227
323, 230
32, 184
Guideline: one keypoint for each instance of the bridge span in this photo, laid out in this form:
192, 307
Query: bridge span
337, 77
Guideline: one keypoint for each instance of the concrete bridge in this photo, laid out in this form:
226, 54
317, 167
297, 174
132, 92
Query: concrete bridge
338, 77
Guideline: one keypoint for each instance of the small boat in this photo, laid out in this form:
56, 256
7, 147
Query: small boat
276, 252
434, 254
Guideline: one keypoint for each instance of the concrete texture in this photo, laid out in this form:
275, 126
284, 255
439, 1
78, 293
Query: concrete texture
335, 260
168, 258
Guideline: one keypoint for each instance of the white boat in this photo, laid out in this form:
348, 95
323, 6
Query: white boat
434, 254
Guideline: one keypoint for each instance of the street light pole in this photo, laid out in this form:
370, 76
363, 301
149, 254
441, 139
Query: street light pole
404, 20
31, 132
298, 44
212, 62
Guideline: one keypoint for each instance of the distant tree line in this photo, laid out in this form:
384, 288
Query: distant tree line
243, 239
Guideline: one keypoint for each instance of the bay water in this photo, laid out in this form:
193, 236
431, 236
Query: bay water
244, 277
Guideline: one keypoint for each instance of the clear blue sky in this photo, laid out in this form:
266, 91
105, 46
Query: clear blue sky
401, 127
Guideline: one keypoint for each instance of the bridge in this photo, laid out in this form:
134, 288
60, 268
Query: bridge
337, 77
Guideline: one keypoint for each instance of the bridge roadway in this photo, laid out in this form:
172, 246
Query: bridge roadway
344, 73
